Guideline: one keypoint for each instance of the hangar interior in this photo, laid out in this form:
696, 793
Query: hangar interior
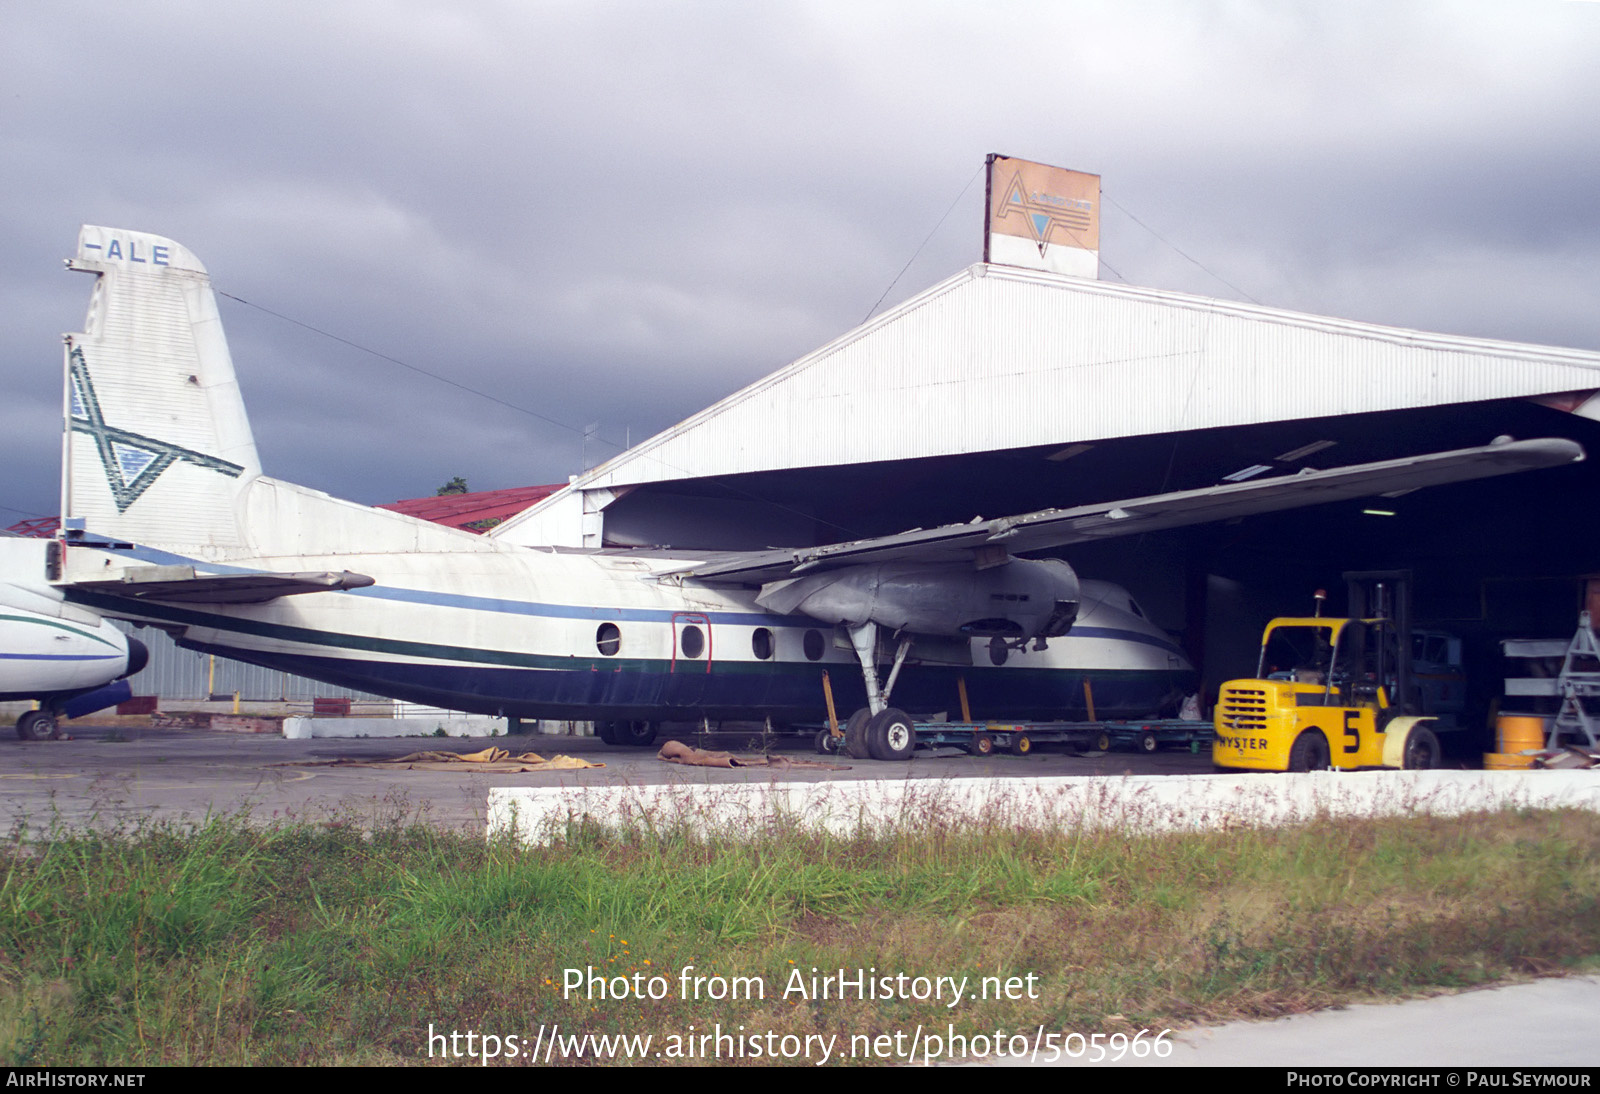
1492, 559
1003, 391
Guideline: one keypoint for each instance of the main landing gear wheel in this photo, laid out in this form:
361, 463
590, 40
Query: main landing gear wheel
36, 725
1309, 752
627, 734
891, 735
855, 735
1148, 742
1021, 744
1422, 750
826, 743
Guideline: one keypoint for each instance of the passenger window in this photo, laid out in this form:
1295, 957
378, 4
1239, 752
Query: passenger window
761, 644
813, 646
692, 641
608, 639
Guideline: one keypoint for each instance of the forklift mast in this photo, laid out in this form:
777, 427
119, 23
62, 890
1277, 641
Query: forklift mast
1386, 594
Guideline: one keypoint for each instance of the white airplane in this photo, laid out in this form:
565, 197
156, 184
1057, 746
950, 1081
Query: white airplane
69, 659
168, 520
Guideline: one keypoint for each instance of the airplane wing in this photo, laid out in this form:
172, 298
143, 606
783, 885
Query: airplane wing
989, 541
181, 585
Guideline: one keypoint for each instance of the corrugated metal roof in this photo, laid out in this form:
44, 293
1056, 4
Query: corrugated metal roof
464, 510
997, 358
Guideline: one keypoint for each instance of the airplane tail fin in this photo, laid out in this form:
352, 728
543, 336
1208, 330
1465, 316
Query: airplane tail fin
157, 449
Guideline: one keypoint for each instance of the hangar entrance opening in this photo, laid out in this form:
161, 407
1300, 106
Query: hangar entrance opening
1493, 559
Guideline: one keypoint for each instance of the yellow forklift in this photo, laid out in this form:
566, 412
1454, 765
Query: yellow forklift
1331, 692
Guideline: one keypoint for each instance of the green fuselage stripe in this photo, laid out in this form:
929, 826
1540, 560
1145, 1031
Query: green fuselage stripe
59, 626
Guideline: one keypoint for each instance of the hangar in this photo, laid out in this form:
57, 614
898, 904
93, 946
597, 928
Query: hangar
1006, 390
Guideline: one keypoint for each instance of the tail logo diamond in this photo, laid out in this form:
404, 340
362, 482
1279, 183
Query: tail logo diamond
132, 461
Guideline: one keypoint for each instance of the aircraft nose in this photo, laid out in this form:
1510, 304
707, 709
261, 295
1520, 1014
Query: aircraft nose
138, 657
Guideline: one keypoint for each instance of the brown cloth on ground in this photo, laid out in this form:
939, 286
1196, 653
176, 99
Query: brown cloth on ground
676, 752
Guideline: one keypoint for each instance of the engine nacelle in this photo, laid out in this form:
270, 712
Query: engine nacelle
1022, 599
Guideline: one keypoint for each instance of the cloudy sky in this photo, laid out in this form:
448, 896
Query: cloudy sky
620, 212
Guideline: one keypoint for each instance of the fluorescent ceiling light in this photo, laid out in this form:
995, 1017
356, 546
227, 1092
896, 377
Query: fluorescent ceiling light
1305, 450
1378, 512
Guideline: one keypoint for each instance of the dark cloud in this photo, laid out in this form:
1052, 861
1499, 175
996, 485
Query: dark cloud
620, 212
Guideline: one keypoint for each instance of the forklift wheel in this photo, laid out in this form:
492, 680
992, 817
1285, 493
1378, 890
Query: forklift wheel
1309, 752
1422, 749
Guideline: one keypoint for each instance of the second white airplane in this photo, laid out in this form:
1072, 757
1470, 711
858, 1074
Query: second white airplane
66, 658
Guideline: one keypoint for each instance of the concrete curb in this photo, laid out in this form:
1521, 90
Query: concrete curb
1136, 803
454, 725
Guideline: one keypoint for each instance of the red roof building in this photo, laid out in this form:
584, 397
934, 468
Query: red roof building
477, 512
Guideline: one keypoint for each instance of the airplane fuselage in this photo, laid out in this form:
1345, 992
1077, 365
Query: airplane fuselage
593, 635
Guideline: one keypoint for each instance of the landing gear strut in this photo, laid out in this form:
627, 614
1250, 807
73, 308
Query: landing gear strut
878, 730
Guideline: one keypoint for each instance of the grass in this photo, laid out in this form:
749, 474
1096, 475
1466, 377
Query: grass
229, 942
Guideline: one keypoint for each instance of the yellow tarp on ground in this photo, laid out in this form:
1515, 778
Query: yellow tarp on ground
490, 761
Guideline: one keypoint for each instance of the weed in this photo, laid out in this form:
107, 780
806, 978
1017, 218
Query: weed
341, 938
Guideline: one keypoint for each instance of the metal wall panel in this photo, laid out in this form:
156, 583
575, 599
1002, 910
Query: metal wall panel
179, 674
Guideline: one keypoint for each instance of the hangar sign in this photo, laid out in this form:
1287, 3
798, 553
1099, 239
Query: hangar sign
1042, 218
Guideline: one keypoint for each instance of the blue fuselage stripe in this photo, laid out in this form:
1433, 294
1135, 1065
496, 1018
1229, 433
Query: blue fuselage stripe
486, 603
59, 656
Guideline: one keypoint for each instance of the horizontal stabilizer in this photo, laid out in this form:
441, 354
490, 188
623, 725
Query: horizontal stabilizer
1049, 528
181, 585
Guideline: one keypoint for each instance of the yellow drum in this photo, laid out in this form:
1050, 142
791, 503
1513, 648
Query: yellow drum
1518, 732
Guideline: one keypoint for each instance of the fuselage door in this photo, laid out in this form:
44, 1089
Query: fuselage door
691, 642
691, 658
